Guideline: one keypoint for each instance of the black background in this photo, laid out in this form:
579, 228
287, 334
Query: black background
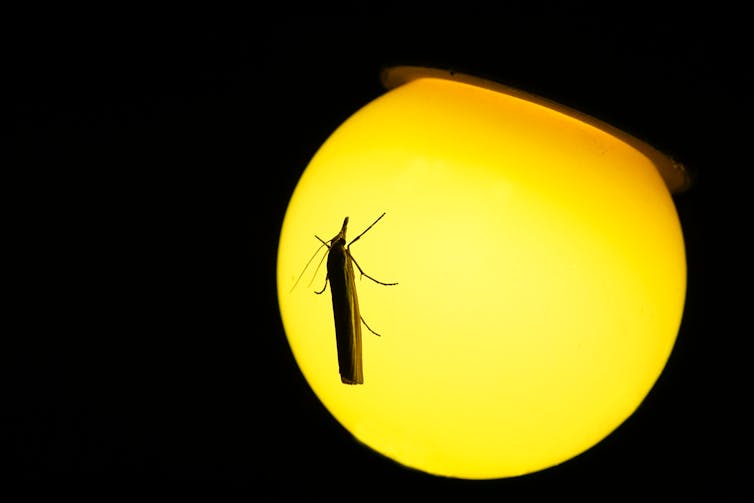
148, 168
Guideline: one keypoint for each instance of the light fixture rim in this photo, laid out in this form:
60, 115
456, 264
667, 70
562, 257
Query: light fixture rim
674, 173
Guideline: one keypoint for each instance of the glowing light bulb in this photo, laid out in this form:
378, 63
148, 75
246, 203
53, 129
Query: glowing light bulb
540, 267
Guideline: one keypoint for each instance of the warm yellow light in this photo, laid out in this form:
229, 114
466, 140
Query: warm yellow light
541, 275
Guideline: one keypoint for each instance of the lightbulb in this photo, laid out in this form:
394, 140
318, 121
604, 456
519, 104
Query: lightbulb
540, 267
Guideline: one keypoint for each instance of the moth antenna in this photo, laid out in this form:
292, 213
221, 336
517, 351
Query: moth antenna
307, 265
324, 243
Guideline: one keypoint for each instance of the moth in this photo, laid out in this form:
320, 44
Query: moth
345, 302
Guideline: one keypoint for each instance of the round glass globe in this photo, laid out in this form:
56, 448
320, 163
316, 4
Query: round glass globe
540, 267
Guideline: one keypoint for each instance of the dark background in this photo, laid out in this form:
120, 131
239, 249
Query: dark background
148, 168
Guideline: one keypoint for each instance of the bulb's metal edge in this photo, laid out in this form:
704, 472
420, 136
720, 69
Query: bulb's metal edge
673, 172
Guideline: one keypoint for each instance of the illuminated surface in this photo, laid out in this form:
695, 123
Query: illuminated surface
541, 276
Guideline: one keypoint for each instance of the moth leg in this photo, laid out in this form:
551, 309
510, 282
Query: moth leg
322, 241
368, 328
323, 288
365, 230
368, 276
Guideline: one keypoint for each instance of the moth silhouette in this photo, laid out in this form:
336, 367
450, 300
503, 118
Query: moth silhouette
345, 303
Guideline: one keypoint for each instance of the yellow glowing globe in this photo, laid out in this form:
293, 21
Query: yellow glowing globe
540, 267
